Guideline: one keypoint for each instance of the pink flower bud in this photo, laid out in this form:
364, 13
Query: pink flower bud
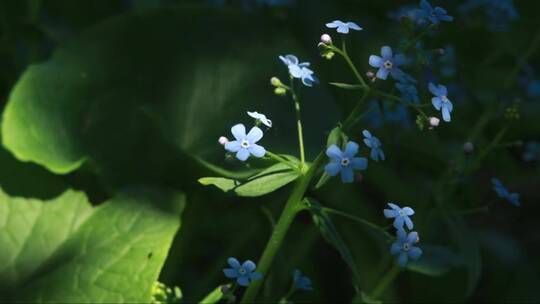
433, 122
223, 140
326, 39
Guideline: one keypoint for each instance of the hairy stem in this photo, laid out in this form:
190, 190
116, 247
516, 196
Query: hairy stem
298, 125
292, 207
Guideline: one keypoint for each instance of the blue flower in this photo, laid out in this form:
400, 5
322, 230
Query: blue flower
299, 70
502, 192
532, 150
400, 216
434, 15
388, 64
244, 273
408, 92
441, 101
245, 145
404, 246
261, 118
343, 27
375, 144
344, 162
301, 282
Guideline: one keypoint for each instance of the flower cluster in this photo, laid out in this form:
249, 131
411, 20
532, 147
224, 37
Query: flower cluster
404, 246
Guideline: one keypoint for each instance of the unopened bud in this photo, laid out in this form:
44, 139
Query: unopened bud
223, 140
280, 91
326, 39
433, 122
370, 74
468, 147
275, 82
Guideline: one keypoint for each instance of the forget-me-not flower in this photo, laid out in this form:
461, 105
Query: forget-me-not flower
408, 92
344, 161
243, 273
261, 117
502, 192
441, 101
245, 144
404, 247
299, 70
400, 215
388, 64
300, 281
343, 27
374, 144
434, 14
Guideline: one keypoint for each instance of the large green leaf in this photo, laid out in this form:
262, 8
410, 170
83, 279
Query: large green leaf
191, 72
63, 250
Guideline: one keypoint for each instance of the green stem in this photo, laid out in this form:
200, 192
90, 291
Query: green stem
292, 207
345, 56
386, 280
298, 125
358, 220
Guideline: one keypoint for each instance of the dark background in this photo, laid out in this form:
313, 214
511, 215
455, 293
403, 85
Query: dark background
176, 75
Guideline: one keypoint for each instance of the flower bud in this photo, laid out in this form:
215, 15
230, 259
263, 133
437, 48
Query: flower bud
326, 39
280, 91
370, 74
468, 147
433, 122
275, 82
223, 140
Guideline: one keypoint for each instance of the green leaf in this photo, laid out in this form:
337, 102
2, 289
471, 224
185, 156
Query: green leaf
331, 235
435, 261
347, 86
266, 181
63, 250
215, 296
127, 93
368, 299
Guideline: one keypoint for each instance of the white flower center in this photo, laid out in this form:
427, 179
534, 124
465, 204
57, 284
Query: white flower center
444, 99
406, 247
345, 162
242, 271
401, 213
388, 64
245, 144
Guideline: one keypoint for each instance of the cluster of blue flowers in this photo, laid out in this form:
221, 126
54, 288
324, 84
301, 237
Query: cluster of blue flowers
404, 246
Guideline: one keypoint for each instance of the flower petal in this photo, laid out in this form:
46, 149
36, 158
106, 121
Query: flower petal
254, 135
256, 150
230, 273
401, 235
412, 237
386, 52
333, 24
368, 142
343, 29
402, 260
374, 154
446, 114
398, 222
433, 89
437, 103
408, 211
295, 71
442, 90
242, 154
233, 262
382, 73
332, 168
395, 248
354, 26
249, 265
415, 253
394, 206
376, 61
408, 222
390, 213
239, 132
243, 281
351, 149
334, 153
232, 146
255, 276
347, 175
366, 133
